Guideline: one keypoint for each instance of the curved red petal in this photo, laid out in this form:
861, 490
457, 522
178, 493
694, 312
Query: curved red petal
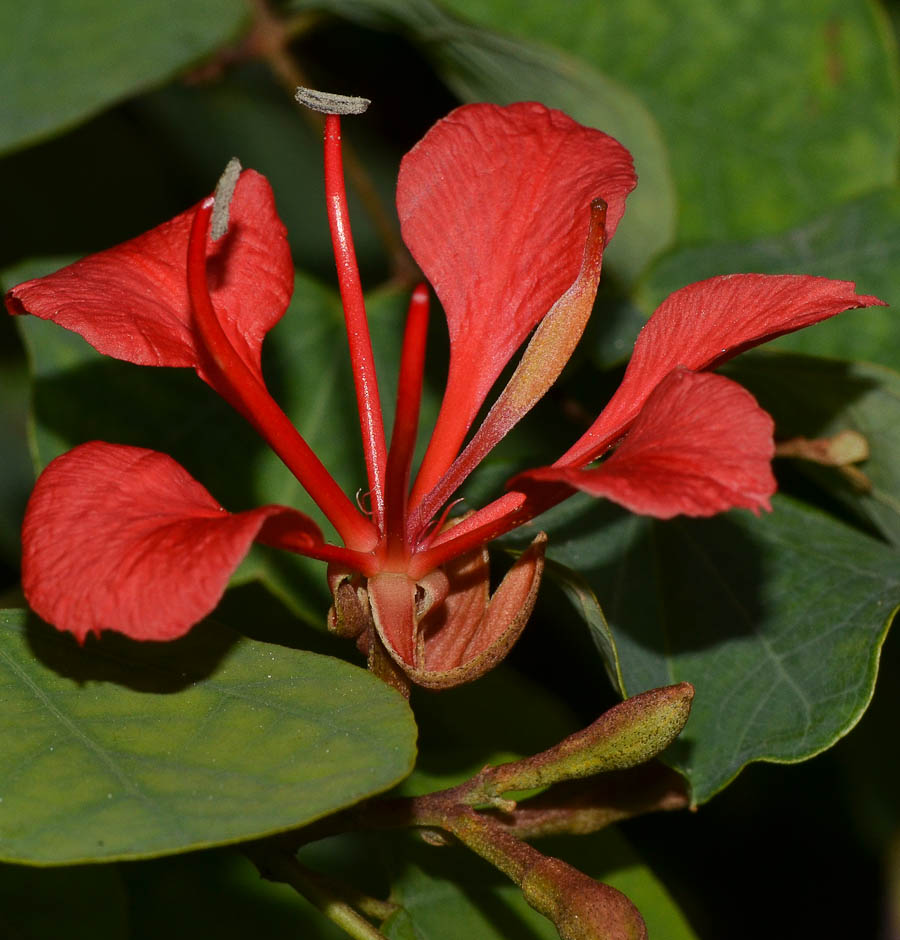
131, 301
700, 445
494, 204
704, 324
123, 538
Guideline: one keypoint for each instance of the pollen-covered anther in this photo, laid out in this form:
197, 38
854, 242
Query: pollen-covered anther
222, 198
326, 102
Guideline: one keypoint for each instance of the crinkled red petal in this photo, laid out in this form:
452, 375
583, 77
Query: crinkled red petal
131, 301
494, 204
123, 538
706, 323
700, 445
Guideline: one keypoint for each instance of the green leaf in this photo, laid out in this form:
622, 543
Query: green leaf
90, 901
777, 621
768, 115
446, 894
858, 240
482, 66
61, 62
811, 397
124, 750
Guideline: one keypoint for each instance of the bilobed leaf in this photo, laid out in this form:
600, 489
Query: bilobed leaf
122, 750
778, 622
858, 240
446, 894
61, 62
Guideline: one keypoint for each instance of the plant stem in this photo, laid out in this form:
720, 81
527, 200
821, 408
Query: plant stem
277, 865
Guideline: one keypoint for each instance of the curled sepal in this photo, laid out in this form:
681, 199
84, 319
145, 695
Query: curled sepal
349, 615
462, 640
131, 301
123, 538
700, 445
629, 734
445, 629
580, 907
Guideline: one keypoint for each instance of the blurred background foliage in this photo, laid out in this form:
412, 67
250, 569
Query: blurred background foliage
766, 136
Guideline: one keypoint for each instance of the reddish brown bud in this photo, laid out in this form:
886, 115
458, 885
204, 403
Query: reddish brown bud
581, 908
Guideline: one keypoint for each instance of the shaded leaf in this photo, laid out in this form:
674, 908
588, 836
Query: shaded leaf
777, 621
122, 750
811, 397
62, 62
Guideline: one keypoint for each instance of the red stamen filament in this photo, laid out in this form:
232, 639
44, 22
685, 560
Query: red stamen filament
250, 395
361, 356
502, 516
363, 562
406, 424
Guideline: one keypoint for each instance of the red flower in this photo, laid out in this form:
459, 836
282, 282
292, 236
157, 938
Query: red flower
507, 212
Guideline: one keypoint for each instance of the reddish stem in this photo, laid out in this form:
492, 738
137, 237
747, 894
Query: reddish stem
406, 425
367, 400
253, 399
362, 562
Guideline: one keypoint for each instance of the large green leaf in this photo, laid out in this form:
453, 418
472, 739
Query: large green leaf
123, 750
769, 110
483, 66
777, 621
446, 894
62, 61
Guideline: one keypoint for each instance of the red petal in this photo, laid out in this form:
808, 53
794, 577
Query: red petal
706, 323
494, 204
131, 301
700, 445
122, 538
